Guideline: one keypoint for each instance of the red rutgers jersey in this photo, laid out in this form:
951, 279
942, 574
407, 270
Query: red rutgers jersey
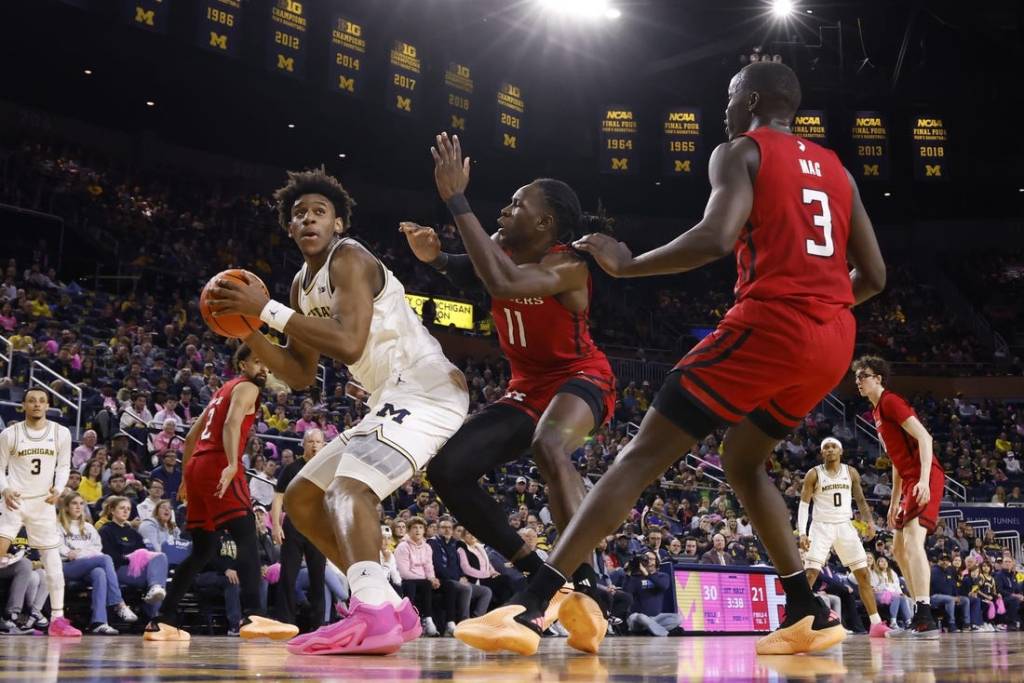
541, 337
890, 414
793, 247
211, 440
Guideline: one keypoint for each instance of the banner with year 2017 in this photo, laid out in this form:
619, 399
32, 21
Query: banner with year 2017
404, 78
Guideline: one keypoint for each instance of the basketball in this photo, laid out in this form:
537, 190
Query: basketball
239, 326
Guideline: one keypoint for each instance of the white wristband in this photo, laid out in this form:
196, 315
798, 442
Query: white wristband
276, 314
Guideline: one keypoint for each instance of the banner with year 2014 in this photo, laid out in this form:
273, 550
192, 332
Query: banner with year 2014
618, 140
348, 49
286, 53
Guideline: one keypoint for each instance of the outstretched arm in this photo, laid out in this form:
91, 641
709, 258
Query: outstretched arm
503, 277
728, 208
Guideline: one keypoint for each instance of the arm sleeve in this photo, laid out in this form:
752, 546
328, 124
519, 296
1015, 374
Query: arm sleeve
803, 513
459, 271
5, 456
60, 477
468, 569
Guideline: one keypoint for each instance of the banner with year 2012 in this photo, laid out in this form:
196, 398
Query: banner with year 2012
286, 53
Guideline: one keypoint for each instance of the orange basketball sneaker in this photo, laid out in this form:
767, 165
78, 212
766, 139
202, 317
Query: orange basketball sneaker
809, 633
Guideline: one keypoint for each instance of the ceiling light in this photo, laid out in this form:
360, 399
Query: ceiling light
782, 8
150, 103
291, 125
583, 8
88, 72
341, 156
887, 194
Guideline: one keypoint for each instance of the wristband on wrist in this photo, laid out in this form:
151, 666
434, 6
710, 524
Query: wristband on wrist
440, 263
458, 205
276, 314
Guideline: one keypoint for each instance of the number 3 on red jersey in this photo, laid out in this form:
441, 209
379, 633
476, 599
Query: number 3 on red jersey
822, 220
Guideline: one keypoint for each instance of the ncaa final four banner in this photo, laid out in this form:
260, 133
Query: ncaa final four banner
870, 135
680, 141
150, 15
458, 90
931, 153
618, 140
287, 51
511, 107
404, 78
348, 50
811, 124
220, 24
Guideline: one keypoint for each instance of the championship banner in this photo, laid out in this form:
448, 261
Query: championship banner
810, 124
871, 145
151, 15
931, 140
458, 88
446, 311
729, 602
220, 26
404, 78
618, 140
348, 49
510, 117
287, 53
680, 143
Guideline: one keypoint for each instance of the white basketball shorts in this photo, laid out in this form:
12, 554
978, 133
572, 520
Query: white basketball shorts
843, 538
39, 519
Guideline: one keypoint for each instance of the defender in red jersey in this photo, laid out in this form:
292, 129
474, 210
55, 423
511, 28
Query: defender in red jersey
218, 499
562, 386
918, 483
793, 216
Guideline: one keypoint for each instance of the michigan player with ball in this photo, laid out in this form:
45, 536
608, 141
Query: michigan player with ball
832, 486
346, 304
35, 462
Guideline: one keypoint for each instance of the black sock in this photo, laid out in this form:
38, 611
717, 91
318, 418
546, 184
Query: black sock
799, 598
545, 583
529, 564
585, 579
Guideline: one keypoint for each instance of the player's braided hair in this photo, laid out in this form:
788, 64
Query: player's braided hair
315, 181
570, 219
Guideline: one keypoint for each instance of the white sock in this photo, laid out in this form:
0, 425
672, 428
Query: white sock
369, 582
875, 619
54, 580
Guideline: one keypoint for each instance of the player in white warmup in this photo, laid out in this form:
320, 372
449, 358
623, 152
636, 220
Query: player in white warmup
833, 486
35, 461
352, 308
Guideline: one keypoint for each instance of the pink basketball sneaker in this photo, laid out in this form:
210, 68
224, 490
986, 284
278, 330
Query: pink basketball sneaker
879, 630
367, 630
60, 627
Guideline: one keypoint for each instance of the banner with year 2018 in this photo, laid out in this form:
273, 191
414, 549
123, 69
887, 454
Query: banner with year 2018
618, 140
458, 90
220, 25
286, 53
931, 148
680, 141
511, 106
870, 135
348, 49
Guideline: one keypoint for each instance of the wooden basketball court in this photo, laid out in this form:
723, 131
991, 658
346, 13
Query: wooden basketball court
957, 657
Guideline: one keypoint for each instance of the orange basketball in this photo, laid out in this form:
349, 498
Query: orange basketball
239, 326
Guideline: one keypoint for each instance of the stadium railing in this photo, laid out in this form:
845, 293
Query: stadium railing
7, 355
76, 405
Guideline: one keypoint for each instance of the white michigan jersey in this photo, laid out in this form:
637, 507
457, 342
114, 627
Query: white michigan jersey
397, 342
31, 463
832, 496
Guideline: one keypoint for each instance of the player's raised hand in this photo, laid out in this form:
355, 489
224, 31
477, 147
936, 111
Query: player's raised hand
12, 499
612, 255
232, 297
422, 240
451, 171
226, 475
921, 492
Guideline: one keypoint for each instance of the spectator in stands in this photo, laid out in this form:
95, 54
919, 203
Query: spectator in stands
416, 567
137, 415
462, 598
19, 572
945, 594
168, 411
221, 575
122, 543
83, 453
717, 554
82, 552
477, 567
91, 486
648, 586
654, 539
690, 555
675, 551
210, 388
387, 557
262, 482
988, 592
307, 421
167, 439
518, 495
169, 472
187, 409
117, 486
161, 529
967, 586
1011, 590
156, 494
888, 591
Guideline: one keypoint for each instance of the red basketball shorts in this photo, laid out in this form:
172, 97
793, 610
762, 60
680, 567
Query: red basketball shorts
927, 515
205, 510
766, 361
595, 386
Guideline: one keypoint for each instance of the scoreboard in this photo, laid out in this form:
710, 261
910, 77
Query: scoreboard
348, 50
287, 51
404, 78
870, 136
729, 602
680, 141
220, 24
930, 142
508, 131
618, 140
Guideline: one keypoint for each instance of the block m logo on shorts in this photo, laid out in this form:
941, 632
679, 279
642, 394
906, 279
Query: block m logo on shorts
517, 396
396, 415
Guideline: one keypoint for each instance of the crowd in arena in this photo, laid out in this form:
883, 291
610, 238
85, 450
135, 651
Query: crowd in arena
146, 366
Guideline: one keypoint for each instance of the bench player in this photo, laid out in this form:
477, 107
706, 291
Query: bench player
793, 216
35, 461
218, 500
346, 305
832, 486
918, 483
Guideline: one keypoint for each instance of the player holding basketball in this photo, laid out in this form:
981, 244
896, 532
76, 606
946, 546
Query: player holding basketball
833, 486
353, 309
917, 484
562, 386
793, 215
218, 500
35, 461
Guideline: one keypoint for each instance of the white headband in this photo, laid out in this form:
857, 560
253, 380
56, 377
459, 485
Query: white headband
829, 440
